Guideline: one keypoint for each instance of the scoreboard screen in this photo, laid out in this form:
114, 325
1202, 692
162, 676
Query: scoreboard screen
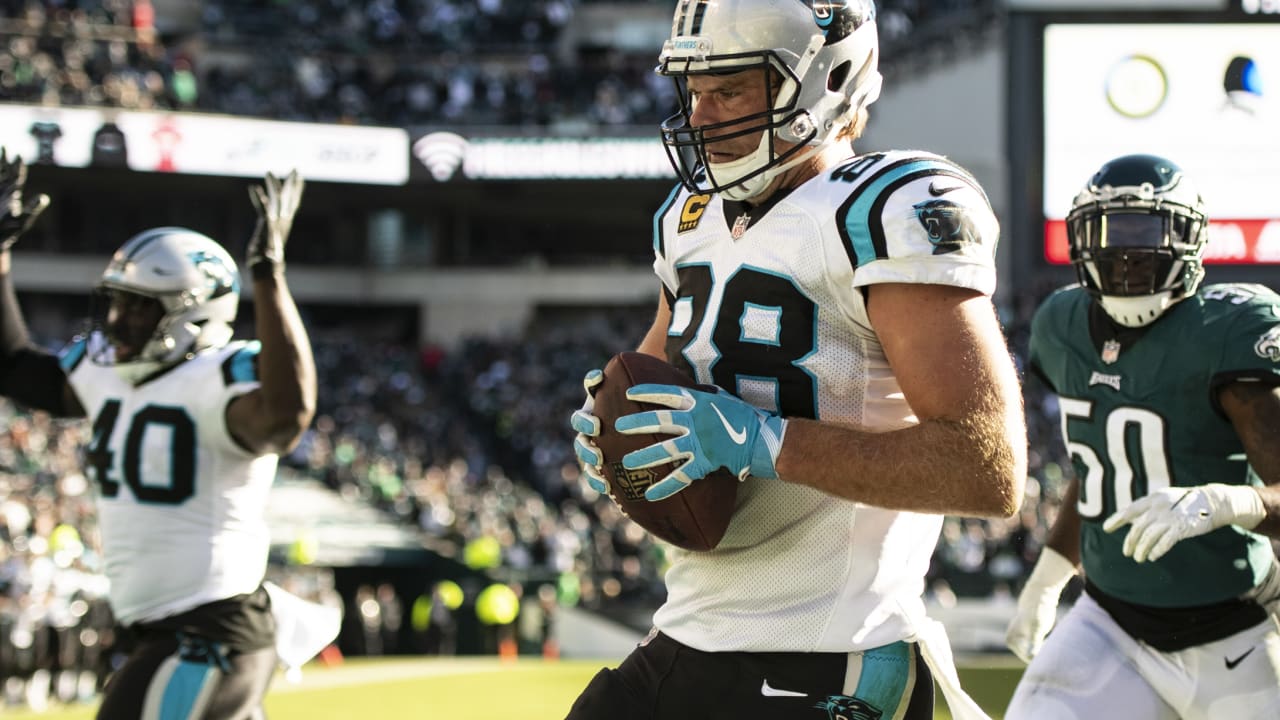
1205, 95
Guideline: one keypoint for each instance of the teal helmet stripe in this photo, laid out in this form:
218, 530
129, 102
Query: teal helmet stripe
859, 217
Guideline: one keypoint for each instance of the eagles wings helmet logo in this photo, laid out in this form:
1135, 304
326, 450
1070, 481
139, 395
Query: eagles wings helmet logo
947, 224
1268, 346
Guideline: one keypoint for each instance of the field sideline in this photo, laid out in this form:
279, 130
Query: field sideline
485, 688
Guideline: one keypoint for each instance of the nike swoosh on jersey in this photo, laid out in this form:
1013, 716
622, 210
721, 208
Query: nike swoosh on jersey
737, 436
1231, 664
770, 691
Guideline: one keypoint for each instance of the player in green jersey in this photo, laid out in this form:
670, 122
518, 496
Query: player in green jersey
1170, 403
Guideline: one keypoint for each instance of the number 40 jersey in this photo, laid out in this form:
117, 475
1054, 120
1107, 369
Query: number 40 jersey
769, 303
181, 504
1140, 412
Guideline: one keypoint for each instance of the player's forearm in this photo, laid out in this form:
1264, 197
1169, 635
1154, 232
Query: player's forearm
1064, 533
973, 466
13, 328
286, 367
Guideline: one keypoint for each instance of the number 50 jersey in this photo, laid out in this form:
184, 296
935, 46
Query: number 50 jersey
1142, 414
769, 304
181, 504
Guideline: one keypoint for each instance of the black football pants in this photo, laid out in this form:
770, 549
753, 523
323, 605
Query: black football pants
665, 680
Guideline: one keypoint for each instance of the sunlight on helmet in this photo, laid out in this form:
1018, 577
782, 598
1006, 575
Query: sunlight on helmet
1138, 231
820, 60
194, 282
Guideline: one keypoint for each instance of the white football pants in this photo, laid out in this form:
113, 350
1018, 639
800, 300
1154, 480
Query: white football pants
1090, 669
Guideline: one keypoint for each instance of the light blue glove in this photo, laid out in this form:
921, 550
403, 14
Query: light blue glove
712, 430
587, 425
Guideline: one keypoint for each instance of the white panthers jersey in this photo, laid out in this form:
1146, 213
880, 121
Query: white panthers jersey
180, 503
772, 308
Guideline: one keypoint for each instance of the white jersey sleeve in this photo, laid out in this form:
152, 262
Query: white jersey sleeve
917, 218
180, 503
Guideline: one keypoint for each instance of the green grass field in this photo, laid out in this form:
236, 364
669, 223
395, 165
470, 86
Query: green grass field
483, 689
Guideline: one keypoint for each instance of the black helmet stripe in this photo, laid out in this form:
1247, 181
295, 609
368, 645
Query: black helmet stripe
144, 241
691, 24
698, 14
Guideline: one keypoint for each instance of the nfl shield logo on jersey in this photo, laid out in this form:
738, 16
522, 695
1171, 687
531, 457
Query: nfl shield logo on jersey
1110, 351
740, 225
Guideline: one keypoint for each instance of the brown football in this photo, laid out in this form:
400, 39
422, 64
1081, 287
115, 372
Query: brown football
694, 518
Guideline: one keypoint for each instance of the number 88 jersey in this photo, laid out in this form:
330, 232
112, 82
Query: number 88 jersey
769, 304
180, 503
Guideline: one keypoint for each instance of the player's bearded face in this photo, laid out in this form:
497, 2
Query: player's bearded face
131, 321
723, 99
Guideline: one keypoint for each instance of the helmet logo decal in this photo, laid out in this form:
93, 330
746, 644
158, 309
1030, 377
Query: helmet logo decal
948, 225
218, 277
1268, 346
838, 19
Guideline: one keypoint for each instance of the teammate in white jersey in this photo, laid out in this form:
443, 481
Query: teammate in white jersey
187, 428
841, 303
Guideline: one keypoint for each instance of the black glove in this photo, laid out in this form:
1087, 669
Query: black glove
17, 216
276, 201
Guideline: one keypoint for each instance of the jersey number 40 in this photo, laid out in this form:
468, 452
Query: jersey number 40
180, 483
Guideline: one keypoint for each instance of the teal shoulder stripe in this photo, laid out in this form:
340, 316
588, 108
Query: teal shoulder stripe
859, 217
242, 366
72, 354
660, 242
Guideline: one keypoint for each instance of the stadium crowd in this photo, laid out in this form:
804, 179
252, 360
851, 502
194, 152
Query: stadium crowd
466, 446
379, 62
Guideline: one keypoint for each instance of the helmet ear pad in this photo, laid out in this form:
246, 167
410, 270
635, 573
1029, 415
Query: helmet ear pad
1138, 231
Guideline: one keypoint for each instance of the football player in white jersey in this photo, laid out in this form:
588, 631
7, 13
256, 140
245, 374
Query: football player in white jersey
841, 303
187, 428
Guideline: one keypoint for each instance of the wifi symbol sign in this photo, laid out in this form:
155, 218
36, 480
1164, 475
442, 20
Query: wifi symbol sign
441, 152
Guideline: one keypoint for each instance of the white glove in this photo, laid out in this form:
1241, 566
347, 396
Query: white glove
1038, 604
1169, 515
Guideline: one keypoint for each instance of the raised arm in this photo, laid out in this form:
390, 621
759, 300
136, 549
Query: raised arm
28, 373
272, 418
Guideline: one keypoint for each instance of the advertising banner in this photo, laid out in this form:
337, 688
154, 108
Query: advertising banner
200, 144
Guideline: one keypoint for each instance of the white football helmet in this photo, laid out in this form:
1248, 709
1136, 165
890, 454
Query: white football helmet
1138, 231
825, 53
194, 280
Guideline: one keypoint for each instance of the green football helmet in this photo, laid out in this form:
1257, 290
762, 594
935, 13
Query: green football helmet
1138, 231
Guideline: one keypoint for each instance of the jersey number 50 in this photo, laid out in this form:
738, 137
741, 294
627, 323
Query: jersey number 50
1126, 430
